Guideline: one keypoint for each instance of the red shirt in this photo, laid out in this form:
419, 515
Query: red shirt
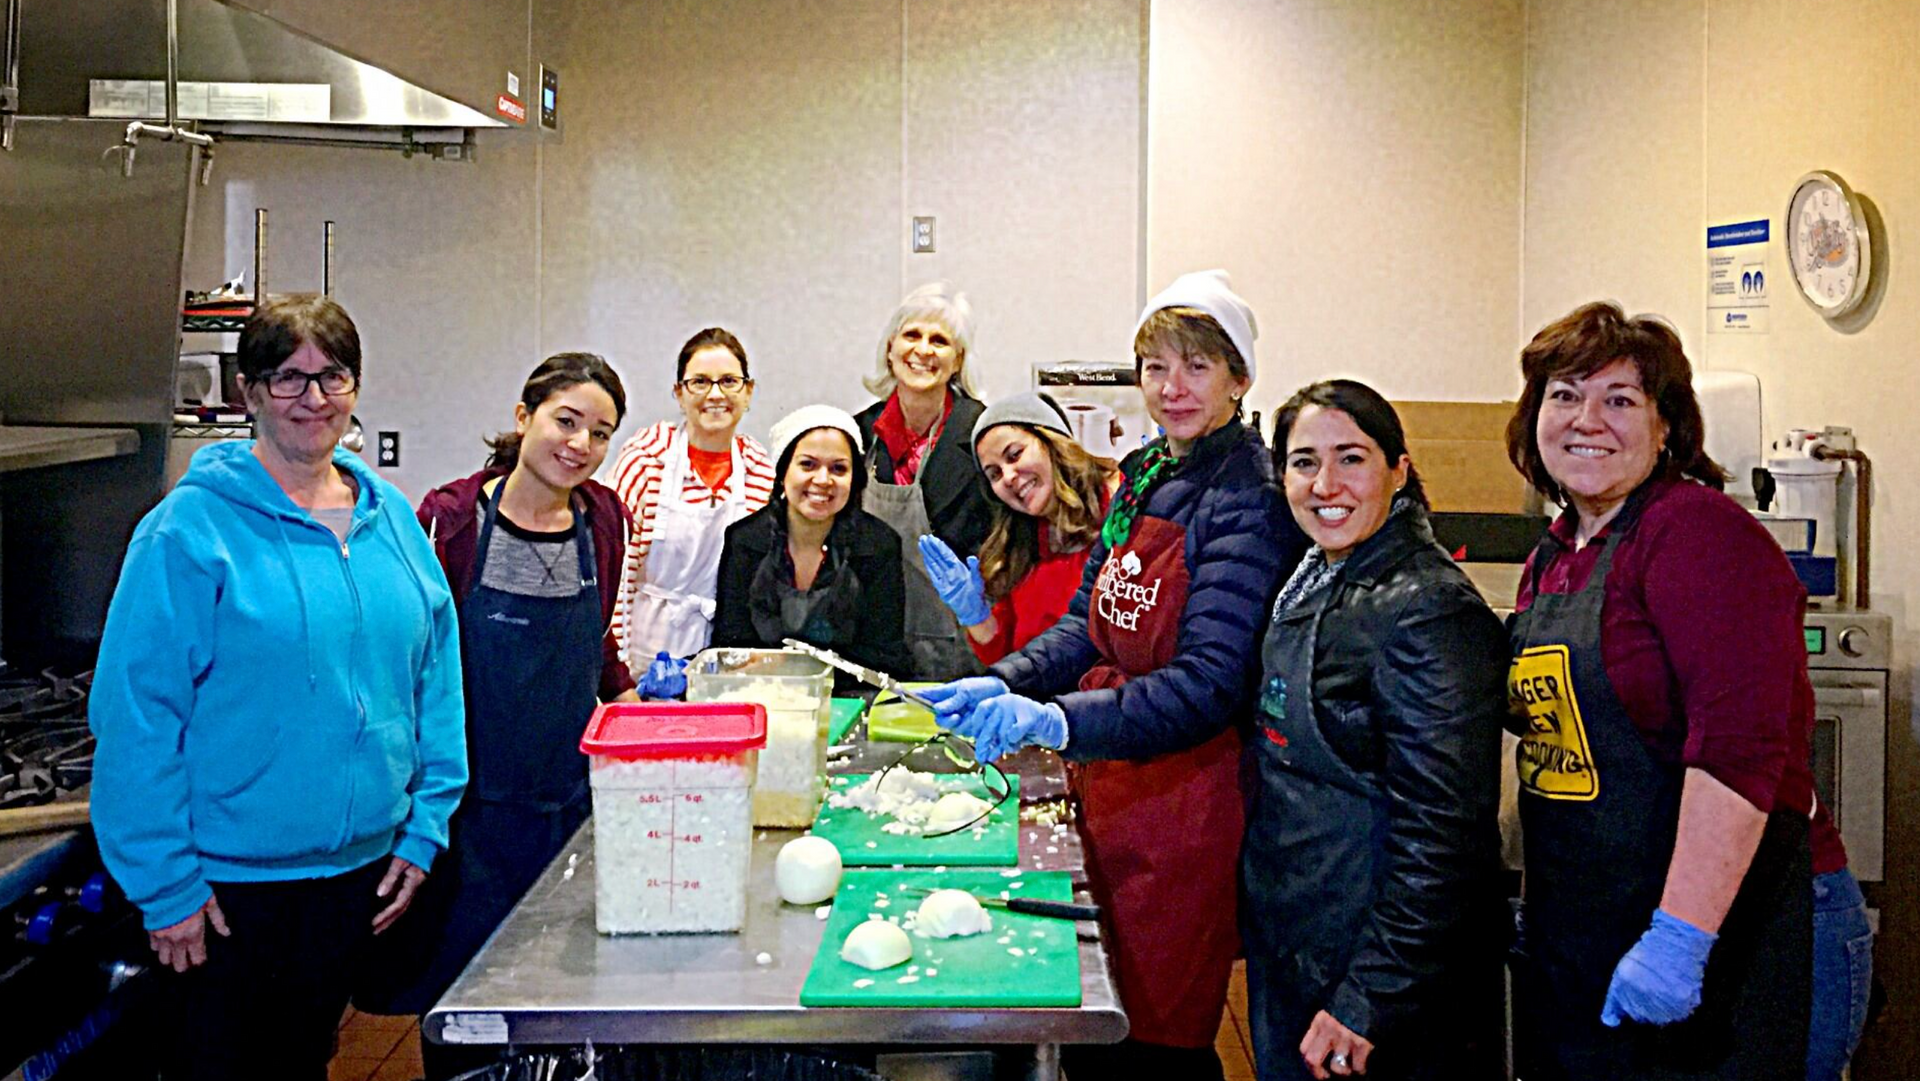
1701, 636
714, 466
1035, 603
907, 449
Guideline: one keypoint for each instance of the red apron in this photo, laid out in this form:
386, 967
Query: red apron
1162, 834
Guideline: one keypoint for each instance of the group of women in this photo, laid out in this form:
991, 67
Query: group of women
1279, 698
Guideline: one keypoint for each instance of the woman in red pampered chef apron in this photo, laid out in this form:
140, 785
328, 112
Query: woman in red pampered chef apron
1159, 649
1659, 686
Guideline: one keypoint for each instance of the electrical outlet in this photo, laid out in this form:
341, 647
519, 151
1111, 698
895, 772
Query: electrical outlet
387, 451
923, 234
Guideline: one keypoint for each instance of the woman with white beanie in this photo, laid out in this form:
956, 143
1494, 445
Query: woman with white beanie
1159, 649
811, 564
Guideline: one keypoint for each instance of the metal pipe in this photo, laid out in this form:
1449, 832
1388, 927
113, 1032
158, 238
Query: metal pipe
1862, 516
326, 261
172, 131
10, 76
173, 65
259, 257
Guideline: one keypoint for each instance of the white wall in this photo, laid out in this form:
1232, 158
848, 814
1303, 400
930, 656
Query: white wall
435, 261
756, 165
1614, 180
729, 162
1356, 165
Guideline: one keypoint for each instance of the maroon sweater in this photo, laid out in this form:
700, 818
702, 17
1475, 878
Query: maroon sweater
1700, 632
448, 514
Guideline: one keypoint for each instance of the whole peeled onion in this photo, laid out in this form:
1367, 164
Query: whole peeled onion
807, 871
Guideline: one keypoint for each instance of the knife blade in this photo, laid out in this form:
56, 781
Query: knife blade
1031, 906
872, 677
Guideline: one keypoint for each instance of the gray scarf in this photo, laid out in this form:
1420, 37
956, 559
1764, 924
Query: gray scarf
1315, 575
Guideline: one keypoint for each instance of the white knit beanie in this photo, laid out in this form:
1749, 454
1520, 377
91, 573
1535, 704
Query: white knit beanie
1210, 291
805, 419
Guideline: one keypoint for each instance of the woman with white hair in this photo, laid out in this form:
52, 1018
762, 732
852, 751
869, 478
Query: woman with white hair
922, 477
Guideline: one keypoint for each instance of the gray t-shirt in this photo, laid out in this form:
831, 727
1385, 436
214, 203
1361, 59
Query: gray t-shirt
526, 563
338, 519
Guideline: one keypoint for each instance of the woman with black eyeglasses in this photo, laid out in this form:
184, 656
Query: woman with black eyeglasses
684, 483
279, 714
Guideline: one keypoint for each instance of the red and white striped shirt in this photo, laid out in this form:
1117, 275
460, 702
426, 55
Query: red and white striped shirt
637, 473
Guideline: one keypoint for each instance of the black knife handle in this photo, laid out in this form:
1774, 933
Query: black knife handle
1065, 910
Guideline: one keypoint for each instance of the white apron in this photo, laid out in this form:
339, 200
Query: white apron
673, 610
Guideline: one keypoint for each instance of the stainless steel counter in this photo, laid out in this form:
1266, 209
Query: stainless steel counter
547, 977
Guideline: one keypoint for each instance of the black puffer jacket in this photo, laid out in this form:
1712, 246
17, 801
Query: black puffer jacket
1371, 846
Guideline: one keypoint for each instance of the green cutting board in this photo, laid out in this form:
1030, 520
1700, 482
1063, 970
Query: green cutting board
978, 970
863, 843
846, 713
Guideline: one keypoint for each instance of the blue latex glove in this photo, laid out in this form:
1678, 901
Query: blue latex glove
665, 677
955, 700
1011, 721
1658, 981
959, 584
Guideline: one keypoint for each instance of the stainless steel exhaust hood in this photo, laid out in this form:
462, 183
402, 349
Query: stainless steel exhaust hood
241, 67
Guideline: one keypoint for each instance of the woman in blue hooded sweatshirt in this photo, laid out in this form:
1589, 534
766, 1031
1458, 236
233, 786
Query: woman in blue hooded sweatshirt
278, 710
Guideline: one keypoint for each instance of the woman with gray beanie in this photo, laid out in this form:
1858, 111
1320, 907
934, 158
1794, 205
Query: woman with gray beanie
1051, 496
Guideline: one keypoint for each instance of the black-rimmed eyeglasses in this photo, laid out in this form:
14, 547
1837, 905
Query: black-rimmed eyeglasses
959, 752
698, 385
293, 384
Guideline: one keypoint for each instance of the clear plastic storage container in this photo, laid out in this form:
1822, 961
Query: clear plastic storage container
672, 819
797, 691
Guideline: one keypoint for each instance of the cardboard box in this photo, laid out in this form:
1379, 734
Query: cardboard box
1460, 449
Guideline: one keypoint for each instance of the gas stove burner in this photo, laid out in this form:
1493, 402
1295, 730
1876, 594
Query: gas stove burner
46, 749
48, 694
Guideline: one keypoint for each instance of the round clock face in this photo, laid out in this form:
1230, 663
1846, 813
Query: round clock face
1827, 244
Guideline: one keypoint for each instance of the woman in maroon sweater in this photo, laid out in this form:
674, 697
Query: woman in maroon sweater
1052, 497
1661, 694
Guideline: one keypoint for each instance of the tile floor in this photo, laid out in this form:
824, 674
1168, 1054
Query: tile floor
378, 1048
374, 1047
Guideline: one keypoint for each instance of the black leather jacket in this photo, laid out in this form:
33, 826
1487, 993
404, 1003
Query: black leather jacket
1372, 836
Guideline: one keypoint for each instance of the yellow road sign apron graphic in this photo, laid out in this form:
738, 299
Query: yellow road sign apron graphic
1553, 758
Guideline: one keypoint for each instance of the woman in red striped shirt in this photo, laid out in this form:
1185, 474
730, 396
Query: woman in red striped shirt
685, 482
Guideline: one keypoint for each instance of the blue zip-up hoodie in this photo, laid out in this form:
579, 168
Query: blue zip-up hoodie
272, 704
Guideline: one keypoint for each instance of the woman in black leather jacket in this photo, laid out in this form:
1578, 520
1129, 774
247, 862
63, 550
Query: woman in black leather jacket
1369, 867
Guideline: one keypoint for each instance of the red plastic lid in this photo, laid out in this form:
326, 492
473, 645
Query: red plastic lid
674, 729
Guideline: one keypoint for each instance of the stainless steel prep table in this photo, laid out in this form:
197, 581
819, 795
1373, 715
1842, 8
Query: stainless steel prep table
547, 977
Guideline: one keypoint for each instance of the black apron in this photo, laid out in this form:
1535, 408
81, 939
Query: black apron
825, 615
1311, 869
532, 678
1300, 851
1598, 815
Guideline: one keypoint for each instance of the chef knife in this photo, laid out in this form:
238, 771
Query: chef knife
1032, 906
872, 677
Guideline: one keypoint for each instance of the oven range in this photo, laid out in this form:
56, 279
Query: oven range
73, 956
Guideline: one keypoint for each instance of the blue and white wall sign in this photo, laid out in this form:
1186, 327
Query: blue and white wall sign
1738, 298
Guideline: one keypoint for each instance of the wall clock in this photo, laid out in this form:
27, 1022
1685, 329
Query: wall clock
1828, 248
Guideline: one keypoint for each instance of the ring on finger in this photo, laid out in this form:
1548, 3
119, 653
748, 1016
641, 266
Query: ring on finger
1339, 1060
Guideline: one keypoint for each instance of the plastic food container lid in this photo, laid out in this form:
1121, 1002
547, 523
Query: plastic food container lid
674, 729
